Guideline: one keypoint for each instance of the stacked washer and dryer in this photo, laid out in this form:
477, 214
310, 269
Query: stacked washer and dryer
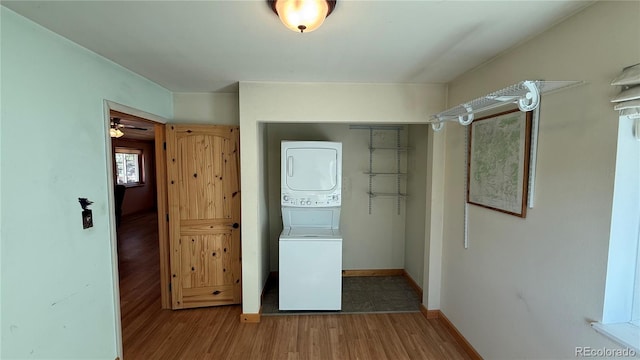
310, 246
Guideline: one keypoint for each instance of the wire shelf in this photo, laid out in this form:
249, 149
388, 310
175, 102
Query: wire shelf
523, 92
395, 148
385, 173
381, 194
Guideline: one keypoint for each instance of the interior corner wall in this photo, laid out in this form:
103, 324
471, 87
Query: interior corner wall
261, 102
528, 288
264, 163
206, 108
417, 210
434, 221
58, 292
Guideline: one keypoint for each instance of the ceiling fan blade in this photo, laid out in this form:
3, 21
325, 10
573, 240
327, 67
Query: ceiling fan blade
116, 122
134, 127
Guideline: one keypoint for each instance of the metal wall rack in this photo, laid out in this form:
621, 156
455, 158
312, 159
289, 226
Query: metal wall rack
397, 172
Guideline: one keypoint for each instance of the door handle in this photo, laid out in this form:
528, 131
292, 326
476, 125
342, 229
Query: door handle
290, 166
235, 225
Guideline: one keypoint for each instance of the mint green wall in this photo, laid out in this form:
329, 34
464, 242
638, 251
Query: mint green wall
57, 295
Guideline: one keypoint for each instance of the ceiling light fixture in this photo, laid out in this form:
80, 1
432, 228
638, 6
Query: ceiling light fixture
114, 130
302, 15
115, 133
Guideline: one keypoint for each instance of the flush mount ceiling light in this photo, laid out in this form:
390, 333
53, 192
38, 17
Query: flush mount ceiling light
302, 15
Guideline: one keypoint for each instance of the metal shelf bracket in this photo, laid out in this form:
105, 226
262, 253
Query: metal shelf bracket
466, 119
531, 99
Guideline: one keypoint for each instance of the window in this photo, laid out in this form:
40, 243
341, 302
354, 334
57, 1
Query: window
129, 169
620, 318
635, 308
635, 313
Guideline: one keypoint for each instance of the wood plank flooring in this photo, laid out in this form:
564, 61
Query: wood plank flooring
216, 333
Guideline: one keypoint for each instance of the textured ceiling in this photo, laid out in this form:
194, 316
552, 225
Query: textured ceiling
208, 46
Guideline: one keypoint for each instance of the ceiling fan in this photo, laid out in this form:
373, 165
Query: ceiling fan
116, 127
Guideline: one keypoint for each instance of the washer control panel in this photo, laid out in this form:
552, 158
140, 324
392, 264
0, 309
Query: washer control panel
311, 200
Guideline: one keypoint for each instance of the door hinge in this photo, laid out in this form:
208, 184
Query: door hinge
169, 287
167, 217
164, 145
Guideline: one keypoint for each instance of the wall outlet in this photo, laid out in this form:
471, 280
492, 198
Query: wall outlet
87, 219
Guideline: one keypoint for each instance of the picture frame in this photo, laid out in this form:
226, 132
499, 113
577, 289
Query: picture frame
499, 147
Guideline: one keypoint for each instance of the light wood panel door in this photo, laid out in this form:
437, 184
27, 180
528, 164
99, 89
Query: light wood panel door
203, 174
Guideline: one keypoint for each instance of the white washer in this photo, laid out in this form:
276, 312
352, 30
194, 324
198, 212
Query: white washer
310, 273
310, 246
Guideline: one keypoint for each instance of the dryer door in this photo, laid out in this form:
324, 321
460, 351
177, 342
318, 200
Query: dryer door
311, 169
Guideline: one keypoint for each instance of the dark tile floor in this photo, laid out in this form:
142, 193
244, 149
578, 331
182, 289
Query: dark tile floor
359, 295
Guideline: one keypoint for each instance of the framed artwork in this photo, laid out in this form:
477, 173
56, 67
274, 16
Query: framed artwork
498, 166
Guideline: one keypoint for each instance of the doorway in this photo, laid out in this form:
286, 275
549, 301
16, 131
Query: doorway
139, 234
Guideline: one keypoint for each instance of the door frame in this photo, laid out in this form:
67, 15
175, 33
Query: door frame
163, 227
163, 214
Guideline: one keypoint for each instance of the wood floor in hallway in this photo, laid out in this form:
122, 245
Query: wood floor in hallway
150, 332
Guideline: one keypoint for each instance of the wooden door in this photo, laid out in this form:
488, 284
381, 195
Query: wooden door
203, 174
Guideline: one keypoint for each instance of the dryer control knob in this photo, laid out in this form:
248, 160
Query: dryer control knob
285, 198
308, 202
